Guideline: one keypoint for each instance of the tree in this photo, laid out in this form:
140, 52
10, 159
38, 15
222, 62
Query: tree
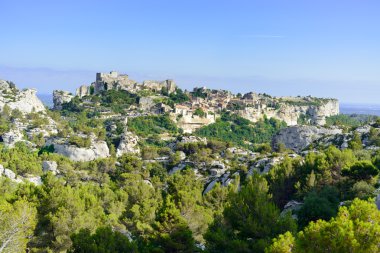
250, 220
17, 223
355, 229
281, 180
173, 233
356, 142
362, 170
186, 193
103, 241
319, 205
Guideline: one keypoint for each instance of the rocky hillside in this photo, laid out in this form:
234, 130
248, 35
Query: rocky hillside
148, 163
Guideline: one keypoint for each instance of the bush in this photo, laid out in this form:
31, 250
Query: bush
150, 125
362, 170
235, 129
80, 142
199, 112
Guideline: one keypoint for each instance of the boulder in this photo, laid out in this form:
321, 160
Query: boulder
98, 149
210, 186
128, 144
50, 166
9, 174
10, 138
34, 180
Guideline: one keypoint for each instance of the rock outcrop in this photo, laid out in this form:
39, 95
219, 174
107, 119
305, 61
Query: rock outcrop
98, 149
293, 112
24, 100
50, 166
128, 144
83, 91
298, 138
60, 97
12, 137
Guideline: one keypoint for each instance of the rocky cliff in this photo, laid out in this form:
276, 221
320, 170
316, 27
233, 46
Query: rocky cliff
293, 112
298, 138
24, 100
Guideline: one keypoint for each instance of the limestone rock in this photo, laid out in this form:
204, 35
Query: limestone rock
98, 149
60, 97
298, 138
24, 100
34, 180
83, 91
292, 206
10, 138
210, 186
50, 166
9, 174
291, 109
192, 139
146, 103
128, 144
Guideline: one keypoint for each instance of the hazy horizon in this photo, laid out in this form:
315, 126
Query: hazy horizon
323, 49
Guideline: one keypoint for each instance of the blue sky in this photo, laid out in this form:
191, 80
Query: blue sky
323, 48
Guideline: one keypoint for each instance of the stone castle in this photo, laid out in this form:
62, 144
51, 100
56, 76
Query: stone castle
117, 81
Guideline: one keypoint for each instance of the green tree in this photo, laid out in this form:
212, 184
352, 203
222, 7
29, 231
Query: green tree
17, 223
355, 229
319, 205
173, 233
103, 241
249, 222
362, 170
282, 179
356, 142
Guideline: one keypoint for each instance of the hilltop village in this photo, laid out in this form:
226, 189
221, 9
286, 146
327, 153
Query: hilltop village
203, 105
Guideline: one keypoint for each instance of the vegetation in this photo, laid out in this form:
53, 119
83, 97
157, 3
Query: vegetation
233, 128
354, 229
350, 121
151, 125
199, 112
118, 100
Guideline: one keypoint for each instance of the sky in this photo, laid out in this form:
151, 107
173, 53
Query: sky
322, 48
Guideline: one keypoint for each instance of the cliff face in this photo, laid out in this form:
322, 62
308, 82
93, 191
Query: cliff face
298, 138
24, 100
190, 123
294, 114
